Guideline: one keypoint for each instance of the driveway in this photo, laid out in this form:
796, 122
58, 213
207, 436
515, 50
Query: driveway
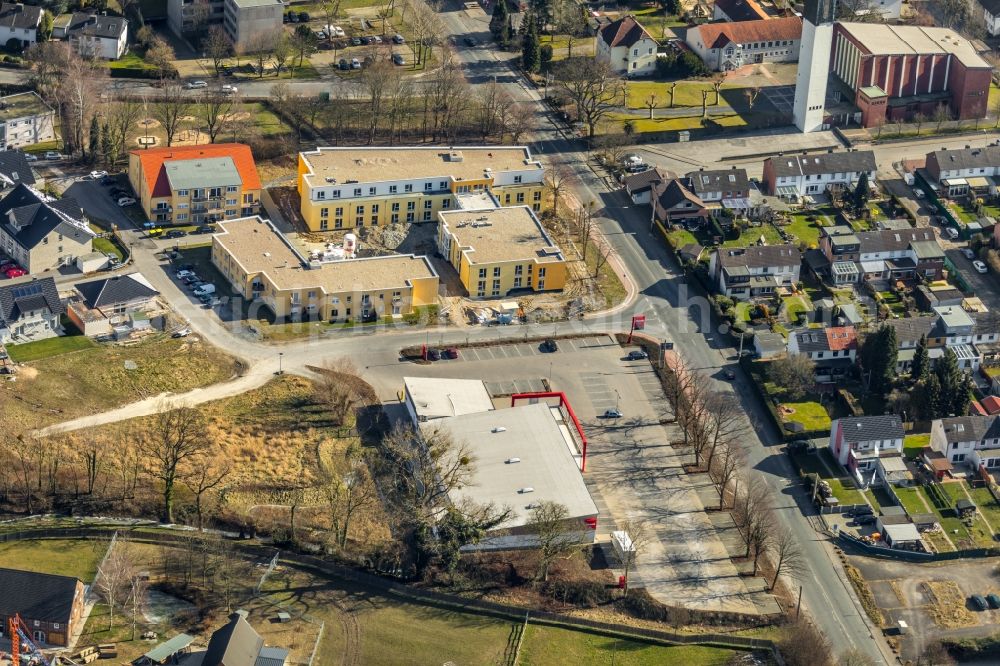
96, 202
983, 284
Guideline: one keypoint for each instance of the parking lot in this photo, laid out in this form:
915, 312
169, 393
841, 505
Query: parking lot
902, 592
633, 471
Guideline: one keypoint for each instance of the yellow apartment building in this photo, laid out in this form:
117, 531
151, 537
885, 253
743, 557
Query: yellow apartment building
344, 188
262, 265
497, 251
193, 185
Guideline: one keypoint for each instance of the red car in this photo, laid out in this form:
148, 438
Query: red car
15, 272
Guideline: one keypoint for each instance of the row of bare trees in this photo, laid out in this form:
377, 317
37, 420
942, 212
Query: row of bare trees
713, 424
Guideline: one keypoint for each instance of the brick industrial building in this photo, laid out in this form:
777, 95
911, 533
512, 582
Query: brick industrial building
897, 72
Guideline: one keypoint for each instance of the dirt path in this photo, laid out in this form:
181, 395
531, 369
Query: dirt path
352, 635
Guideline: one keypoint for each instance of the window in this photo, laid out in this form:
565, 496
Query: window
411, 205
428, 187
335, 194
519, 269
496, 287
635, 52
443, 185
324, 212
324, 225
427, 216
231, 188
339, 211
446, 204
428, 204
374, 208
496, 271
375, 220
182, 193
357, 191
517, 283
409, 217
408, 187
371, 191
359, 221
506, 198
517, 179
482, 272
360, 210
481, 288
537, 196
334, 313
520, 197
181, 217
230, 202
395, 206
338, 223
395, 218
541, 272
392, 189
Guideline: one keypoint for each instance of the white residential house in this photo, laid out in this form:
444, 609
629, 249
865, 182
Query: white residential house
792, 177
832, 349
727, 46
627, 47
20, 22
746, 273
974, 440
25, 120
858, 437
94, 35
991, 13
30, 311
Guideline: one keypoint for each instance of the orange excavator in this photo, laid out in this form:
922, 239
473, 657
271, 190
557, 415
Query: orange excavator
18, 636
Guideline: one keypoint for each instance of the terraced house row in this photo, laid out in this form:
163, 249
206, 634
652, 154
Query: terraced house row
346, 188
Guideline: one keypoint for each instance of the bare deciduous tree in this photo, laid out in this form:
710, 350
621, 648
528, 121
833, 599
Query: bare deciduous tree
176, 435
217, 47
336, 389
640, 533
207, 470
114, 579
171, 108
558, 178
347, 494
551, 524
592, 85
724, 466
121, 116
787, 555
216, 110
803, 644
795, 373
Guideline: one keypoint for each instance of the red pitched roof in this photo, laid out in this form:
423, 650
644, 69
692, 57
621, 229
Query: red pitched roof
977, 409
841, 337
153, 159
717, 35
626, 31
991, 404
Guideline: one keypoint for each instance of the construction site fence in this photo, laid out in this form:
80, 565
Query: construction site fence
416, 595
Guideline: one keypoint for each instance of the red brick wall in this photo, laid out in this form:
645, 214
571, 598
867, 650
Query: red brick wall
768, 177
969, 91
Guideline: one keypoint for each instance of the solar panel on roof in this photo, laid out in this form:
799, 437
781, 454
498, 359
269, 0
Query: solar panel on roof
31, 289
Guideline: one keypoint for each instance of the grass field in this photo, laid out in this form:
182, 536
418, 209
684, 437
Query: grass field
687, 93
550, 645
805, 230
55, 556
913, 444
34, 351
845, 493
751, 235
130, 61
796, 305
812, 415
641, 124
988, 507
65, 386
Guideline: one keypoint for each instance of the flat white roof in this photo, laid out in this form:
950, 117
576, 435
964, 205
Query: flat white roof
435, 398
904, 532
530, 434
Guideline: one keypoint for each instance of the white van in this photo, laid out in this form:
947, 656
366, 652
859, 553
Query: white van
204, 290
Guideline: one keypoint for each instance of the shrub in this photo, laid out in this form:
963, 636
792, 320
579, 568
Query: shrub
639, 604
585, 593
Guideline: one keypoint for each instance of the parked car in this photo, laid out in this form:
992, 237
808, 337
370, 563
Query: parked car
30, 157
470, 41
355, 41
980, 266
993, 600
612, 414
336, 31
205, 229
864, 520
229, 90
15, 272
637, 355
376, 39
108, 181
550, 346
433, 355
126, 201
52, 155
398, 59
343, 64
303, 17
98, 175
181, 274
320, 34
355, 63
978, 602
450, 352
183, 333
175, 233
952, 233
206, 289
968, 253
193, 85
398, 39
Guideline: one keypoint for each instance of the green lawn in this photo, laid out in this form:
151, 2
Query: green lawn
655, 21
805, 230
751, 235
105, 246
686, 93
130, 60
642, 124
550, 645
812, 415
681, 237
743, 310
913, 444
910, 499
266, 121
55, 556
33, 351
796, 305
846, 494
988, 507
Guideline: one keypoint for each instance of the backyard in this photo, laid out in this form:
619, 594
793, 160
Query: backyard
61, 557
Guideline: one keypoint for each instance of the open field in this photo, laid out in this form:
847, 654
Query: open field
549, 645
642, 124
94, 378
34, 351
55, 556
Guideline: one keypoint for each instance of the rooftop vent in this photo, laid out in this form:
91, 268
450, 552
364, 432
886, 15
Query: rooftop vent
499, 429
512, 461
456, 156
525, 490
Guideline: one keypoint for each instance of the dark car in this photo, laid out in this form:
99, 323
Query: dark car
325, 46
550, 345
864, 520
612, 414
433, 355
470, 41
343, 64
303, 17
355, 41
637, 355
108, 181
729, 374
366, 40
450, 352
978, 602
175, 233
205, 229
993, 600
863, 511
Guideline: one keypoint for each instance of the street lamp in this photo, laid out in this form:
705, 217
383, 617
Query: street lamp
618, 398
280, 355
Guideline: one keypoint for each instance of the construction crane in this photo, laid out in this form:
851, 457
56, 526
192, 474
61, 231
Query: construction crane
18, 635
